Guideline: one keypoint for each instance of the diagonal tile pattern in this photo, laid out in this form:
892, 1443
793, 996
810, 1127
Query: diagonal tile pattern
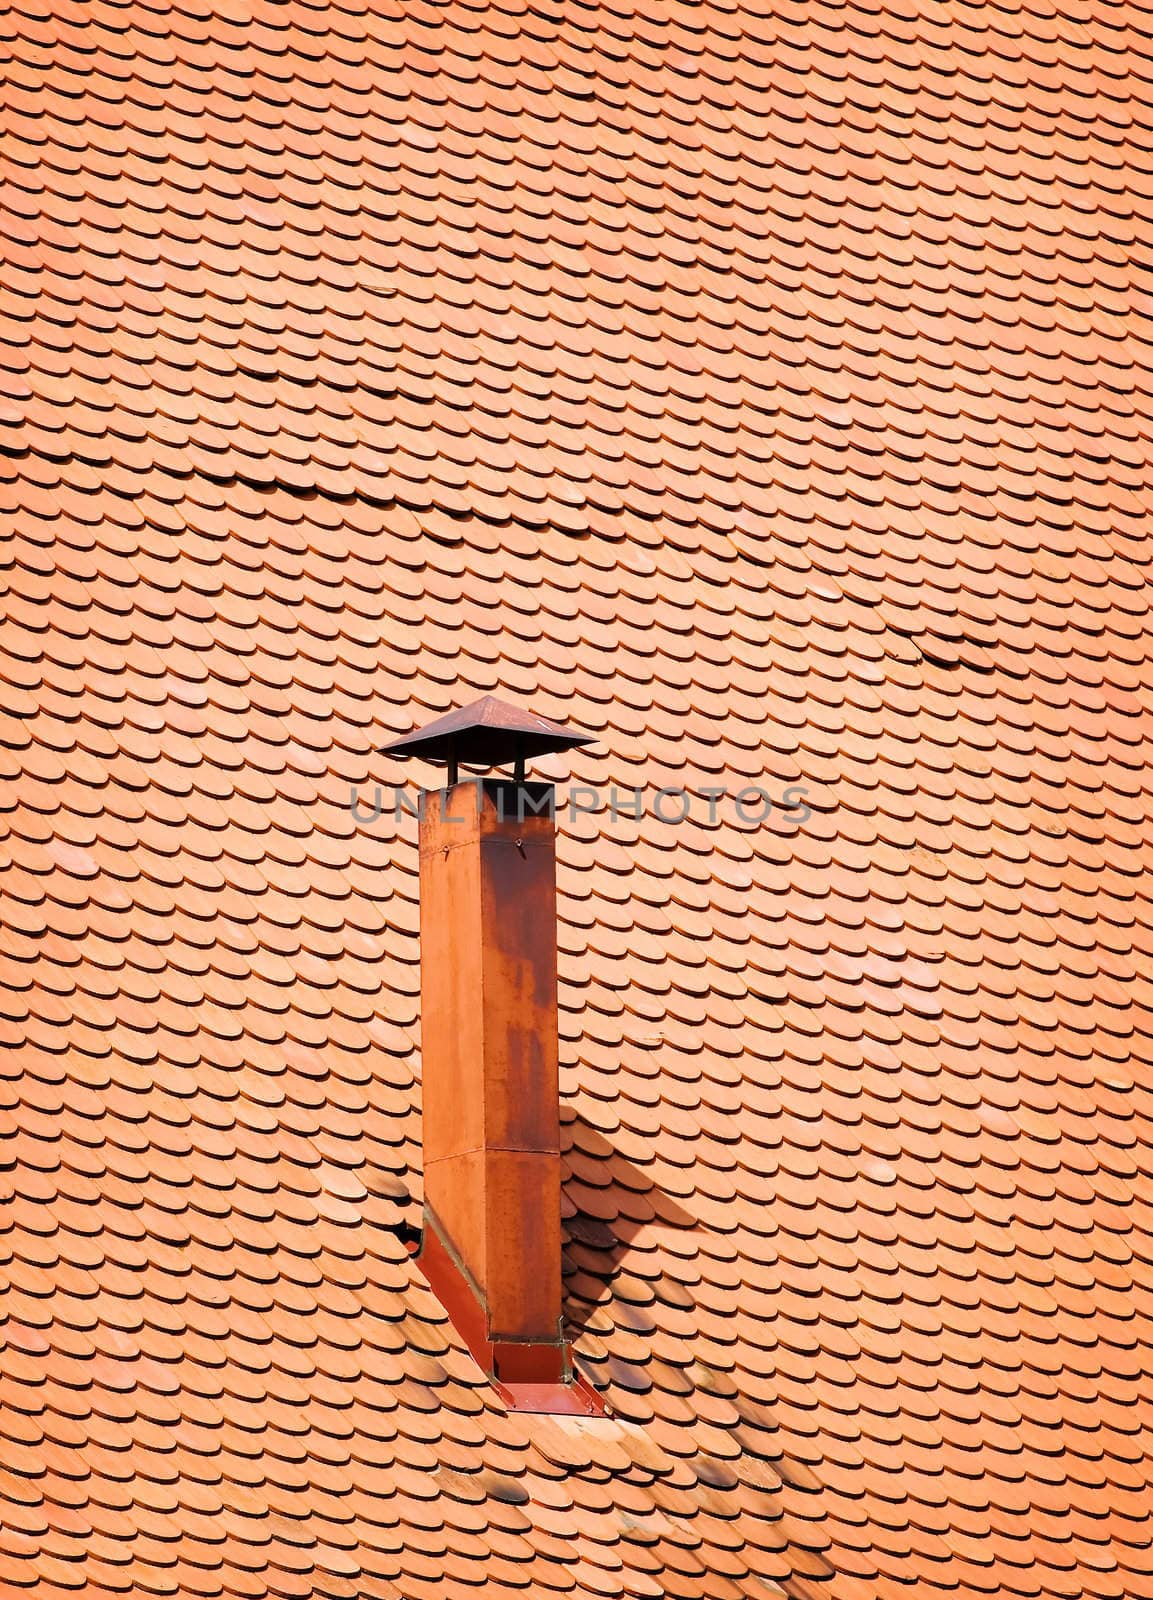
766, 389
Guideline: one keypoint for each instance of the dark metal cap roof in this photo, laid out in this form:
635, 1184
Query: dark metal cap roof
488, 733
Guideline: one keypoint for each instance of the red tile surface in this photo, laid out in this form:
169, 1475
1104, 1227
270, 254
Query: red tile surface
765, 389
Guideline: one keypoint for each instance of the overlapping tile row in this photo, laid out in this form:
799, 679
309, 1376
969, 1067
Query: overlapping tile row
765, 390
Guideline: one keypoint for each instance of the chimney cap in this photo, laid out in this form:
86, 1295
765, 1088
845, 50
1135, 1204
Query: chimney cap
487, 733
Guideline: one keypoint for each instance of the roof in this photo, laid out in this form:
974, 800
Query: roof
764, 389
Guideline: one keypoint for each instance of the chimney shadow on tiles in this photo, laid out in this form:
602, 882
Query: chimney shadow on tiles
607, 1201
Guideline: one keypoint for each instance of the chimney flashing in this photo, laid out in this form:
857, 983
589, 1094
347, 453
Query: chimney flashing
528, 1375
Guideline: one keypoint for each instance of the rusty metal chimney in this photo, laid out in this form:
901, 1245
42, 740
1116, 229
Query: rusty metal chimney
488, 985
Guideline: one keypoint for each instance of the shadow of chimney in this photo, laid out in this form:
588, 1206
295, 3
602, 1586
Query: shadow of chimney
606, 1201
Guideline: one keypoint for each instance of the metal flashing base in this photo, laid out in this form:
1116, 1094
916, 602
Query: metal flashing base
528, 1376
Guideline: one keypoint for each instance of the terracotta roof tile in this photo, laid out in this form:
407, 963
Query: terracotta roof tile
765, 393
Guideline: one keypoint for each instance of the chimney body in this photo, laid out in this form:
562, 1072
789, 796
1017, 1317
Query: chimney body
491, 1243
488, 998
